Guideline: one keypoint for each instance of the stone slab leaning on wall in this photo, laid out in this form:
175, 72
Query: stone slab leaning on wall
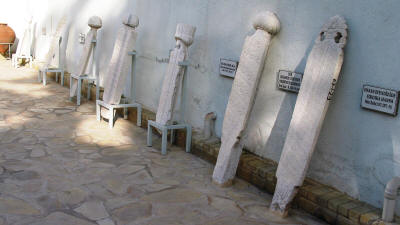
174, 75
24, 47
317, 89
241, 99
94, 24
119, 66
54, 44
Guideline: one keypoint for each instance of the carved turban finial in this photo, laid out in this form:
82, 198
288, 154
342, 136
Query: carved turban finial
95, 22
131, 21
267, 21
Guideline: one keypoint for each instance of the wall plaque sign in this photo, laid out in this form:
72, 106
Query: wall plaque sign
228, 67
289, 81
380, 100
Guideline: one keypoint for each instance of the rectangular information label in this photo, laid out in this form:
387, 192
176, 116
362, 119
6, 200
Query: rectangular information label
380, 99
289, 81
228, 67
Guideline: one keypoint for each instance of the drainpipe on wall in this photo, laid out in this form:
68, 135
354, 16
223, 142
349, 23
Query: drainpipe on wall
390, 196
209, 124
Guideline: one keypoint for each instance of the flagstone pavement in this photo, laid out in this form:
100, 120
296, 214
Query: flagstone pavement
59, 166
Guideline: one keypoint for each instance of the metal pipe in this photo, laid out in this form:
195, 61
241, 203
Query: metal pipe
390, 196
209, 121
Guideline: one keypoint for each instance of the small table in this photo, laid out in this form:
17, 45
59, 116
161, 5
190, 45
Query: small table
9, 48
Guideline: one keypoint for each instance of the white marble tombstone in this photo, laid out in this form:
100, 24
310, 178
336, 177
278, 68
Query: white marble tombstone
322, 71
241, 99
94, 23
54, 44
24, 47
119, 66
174, 75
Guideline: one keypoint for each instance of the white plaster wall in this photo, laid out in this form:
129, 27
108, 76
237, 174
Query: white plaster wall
358, 150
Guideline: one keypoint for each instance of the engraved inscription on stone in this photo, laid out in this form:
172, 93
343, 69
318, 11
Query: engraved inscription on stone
289, 81
380, 99
227, 67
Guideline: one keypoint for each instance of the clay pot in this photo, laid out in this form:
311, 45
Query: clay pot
7, 35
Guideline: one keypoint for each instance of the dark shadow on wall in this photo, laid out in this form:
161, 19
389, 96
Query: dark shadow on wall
276, 140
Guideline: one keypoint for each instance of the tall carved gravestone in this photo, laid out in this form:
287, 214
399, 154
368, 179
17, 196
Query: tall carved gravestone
118, 68
317, 89
55, 40
24, 47
173, 77
94, 24
242, 96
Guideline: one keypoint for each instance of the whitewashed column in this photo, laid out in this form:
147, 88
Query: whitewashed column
320, 76
241, 99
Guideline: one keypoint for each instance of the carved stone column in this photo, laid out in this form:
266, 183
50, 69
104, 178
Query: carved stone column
54, 44
94, 23
173, 77
320, 76
242, 96
119, 66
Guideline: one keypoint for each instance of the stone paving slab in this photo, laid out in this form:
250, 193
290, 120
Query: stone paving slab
58, 165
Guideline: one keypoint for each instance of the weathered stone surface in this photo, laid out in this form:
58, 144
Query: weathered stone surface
156, 187
17, 207
225, 204
118, 202
129, 169
141, 177
179, 195
60, 218
16, 165
26, 175
119, 66
82, 68
94, 156
233, 221
73, 196
107, 221
321, 74
93, 210
130, 213
37, 153
50, 203
174, 75
115, 185
242, 95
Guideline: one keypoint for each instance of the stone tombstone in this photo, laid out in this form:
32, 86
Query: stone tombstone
55, 42
320, 76
119, 66
241, 99
24, 47
174, 75
94, 23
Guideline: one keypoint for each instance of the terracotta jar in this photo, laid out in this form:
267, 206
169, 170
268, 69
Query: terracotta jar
7, 35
